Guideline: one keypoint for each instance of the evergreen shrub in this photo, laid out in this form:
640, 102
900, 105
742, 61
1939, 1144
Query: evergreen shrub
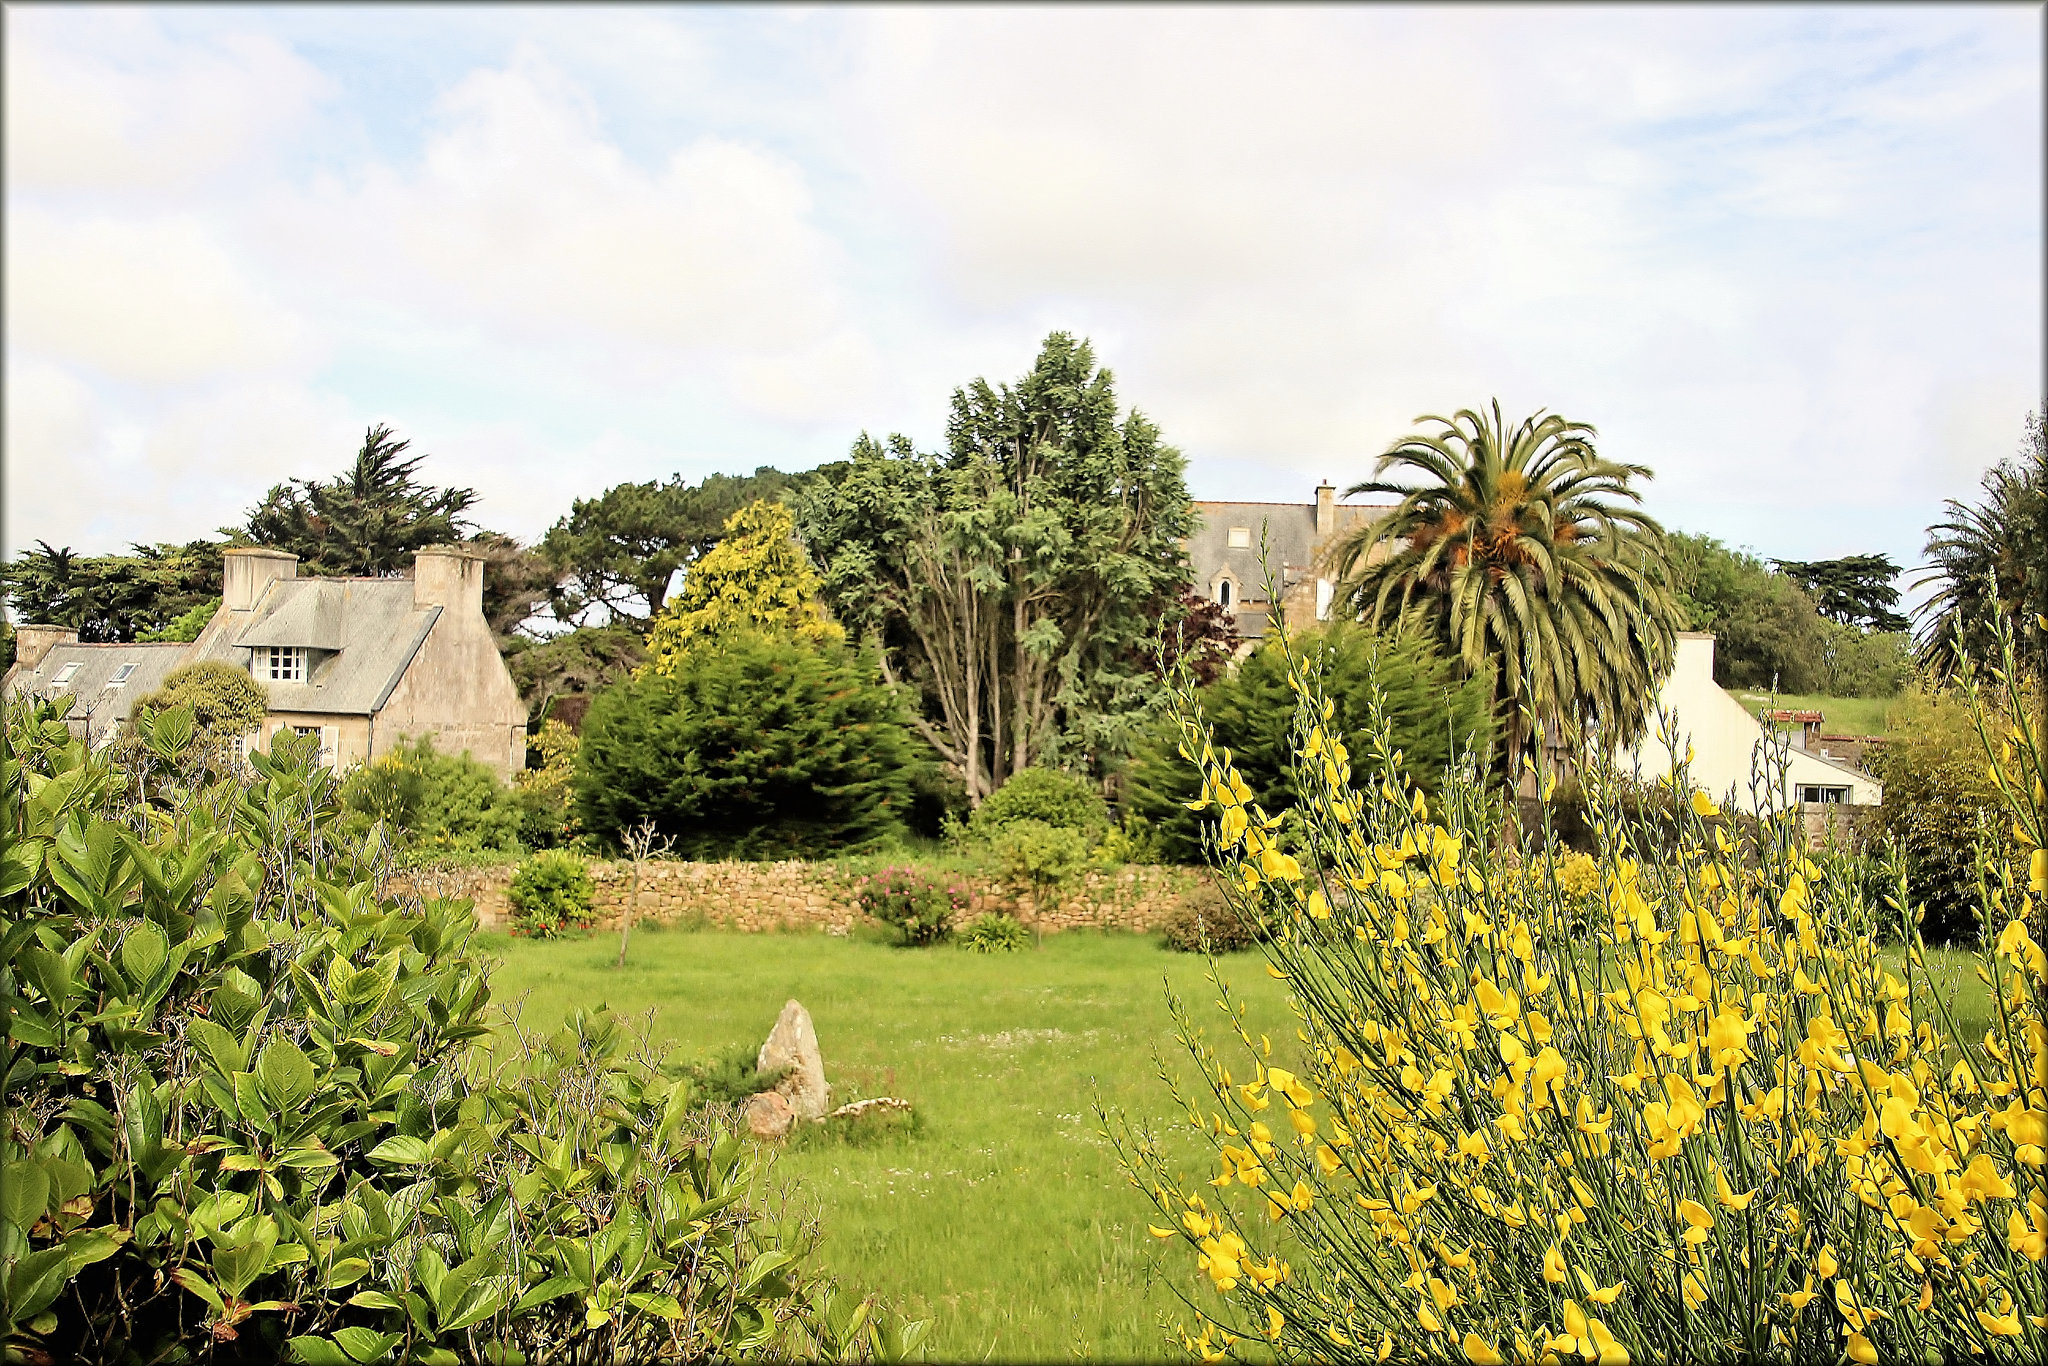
759, 747
1436, 719
551, 893
1050, 796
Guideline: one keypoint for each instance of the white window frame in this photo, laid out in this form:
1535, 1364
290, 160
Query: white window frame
281, 664
1240, 538
1824, 794
66, 674
123, 674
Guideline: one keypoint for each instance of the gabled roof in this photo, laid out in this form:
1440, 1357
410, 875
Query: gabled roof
364, 632
91, 697
1289, 530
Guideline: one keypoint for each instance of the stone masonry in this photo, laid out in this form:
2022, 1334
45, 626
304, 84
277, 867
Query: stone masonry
799, 895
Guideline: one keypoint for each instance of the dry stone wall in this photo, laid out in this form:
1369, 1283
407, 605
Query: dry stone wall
799, 895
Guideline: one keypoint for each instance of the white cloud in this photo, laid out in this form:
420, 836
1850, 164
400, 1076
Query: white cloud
153, 300
114, 104
523, 216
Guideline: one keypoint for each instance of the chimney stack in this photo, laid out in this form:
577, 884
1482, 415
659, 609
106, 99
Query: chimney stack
31, 643
449, 576
246, 570
1326, 509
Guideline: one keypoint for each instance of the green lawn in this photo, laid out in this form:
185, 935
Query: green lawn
1845, 715
1002, 1215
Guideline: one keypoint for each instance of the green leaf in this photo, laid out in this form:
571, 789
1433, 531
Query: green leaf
365, 1344
198, 1285
661, 1306
375, 1299
222, 1048
553, 1288
36, 1280
24, 1194
399, 1150
144, 951
317, 1352
346, 1272
764, 1266
286, 1074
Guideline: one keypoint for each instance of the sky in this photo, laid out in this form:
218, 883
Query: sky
1790, 258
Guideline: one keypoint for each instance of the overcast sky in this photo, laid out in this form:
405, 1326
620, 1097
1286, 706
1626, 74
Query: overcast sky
1790, 258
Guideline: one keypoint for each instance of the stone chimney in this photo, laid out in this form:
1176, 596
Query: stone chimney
449, 576
248, 569
1326, 509
31, 643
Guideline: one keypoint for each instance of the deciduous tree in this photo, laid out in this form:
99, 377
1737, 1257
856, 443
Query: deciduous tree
1012, 576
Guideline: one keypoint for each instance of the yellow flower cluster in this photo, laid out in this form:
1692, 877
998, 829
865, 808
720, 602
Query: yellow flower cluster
1719, 1122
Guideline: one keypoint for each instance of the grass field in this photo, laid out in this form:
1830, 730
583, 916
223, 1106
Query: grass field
1002, 1214
1845, 715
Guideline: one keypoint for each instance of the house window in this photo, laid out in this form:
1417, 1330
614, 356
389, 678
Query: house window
1223, 593
325, 734
281, 663
1814, 794
65, 675
1240, 538
123, 674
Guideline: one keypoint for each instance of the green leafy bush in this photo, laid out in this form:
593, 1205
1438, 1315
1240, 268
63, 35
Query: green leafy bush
256, 1112
1206, 922
1939, 802
224, 703
1435, 717
920, 905
434, 802
760, 748
995, 932
551, 893
1039, 855
1065, 801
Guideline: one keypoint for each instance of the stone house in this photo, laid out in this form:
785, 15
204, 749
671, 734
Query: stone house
364, 663
1235, 545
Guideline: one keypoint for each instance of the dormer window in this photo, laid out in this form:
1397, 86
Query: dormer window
65, 675
281, 663
122, 675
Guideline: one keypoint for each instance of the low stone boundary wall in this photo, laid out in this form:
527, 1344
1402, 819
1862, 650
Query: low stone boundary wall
800, 895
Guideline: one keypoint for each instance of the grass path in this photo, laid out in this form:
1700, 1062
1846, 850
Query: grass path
1002, 1214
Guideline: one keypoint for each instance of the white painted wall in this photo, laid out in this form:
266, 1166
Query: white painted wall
1724, 739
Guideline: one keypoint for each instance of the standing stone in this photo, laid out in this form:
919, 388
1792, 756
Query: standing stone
793, 1043
767, 1115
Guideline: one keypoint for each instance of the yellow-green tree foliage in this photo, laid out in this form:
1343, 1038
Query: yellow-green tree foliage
756, 579
1626, 1108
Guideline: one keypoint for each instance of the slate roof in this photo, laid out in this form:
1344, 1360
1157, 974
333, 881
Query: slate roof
92, 701
362, 634
1290, 534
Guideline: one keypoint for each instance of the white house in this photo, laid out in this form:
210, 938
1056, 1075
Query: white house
1725, 738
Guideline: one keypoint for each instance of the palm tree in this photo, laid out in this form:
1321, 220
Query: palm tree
1991, 559
1520, 554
